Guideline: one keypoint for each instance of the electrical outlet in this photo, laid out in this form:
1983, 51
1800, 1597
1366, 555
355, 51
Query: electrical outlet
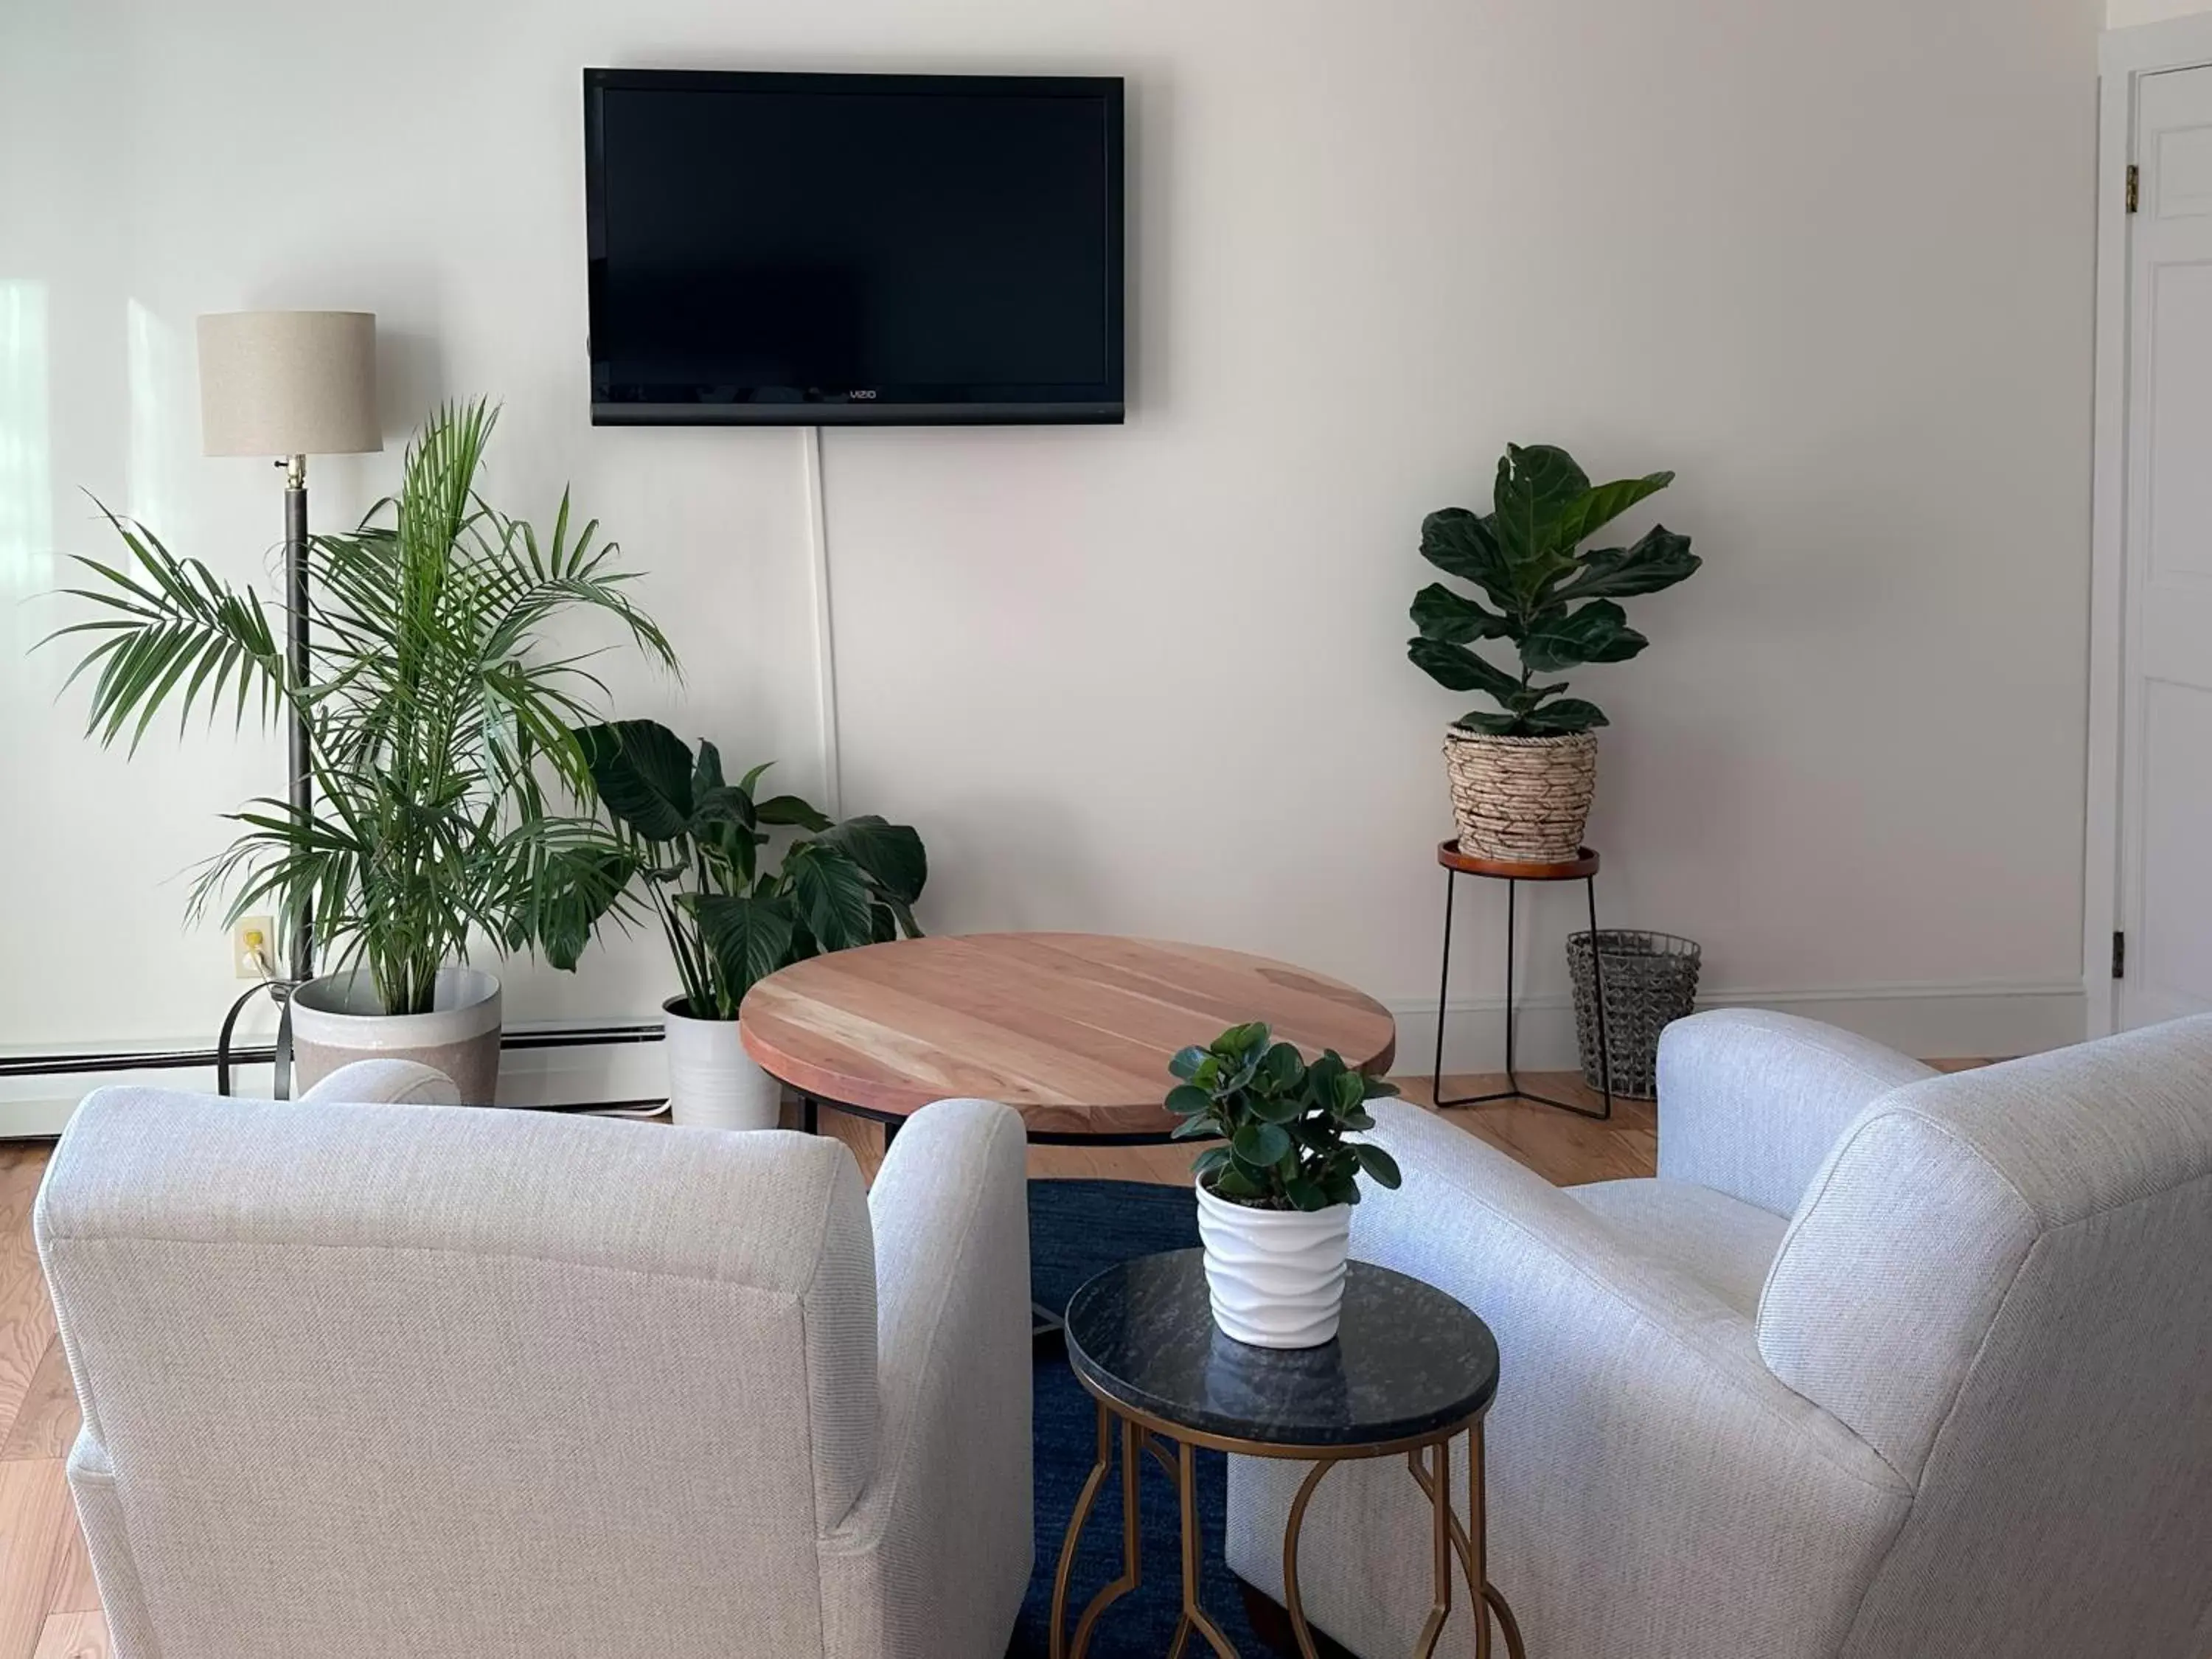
253, 948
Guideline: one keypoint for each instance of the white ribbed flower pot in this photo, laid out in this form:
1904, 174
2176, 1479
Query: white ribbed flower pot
1275, 1276
338, 1019
713, 1083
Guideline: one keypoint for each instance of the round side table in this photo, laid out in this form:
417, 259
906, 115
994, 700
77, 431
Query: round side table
1513, 872
1410, 1369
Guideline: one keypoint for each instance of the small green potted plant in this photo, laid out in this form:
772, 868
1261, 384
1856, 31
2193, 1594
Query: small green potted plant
1523, 774
731, 917
1275, 1197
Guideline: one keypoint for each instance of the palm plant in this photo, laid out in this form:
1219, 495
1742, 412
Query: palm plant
695, 839
437, 717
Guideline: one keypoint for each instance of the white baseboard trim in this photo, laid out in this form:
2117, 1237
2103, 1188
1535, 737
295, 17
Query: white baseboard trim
1934, 1022
38, 1105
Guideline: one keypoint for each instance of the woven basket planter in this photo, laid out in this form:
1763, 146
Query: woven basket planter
1521, 799
1650, 980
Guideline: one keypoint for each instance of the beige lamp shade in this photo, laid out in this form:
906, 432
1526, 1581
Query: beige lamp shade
275, 383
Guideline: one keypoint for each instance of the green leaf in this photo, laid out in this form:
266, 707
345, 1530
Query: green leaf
1598, 632
1380, 1166
1305, 1193
1568, 714
1490, 724
1458, 669
1242, 1042
891, 854
1529, 695
1192, 1128
1233, 1181
1275, 1108
1184, 1100
574, 889
1213, 1159
1536, 485
1441, 614
1186, 1062
1260, 1144
750, 938
721, 804
1282, 1066
831, 893
1460, 544
1350, 1090
791, 809
1659, 558
707, 776
643, 772
1599, 506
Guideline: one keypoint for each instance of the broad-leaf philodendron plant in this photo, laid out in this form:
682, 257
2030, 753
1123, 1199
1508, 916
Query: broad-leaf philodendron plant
431, 702
1284, 1122
1550, 599
695, 840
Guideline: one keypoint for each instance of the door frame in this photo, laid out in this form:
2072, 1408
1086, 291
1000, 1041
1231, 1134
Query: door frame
2123, 57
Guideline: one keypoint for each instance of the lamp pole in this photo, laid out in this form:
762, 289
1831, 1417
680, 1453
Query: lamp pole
290, 384
295, 651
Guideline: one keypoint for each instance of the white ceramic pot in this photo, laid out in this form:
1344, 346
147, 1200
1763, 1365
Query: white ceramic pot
338, 1019
1275, 1276
713, 1083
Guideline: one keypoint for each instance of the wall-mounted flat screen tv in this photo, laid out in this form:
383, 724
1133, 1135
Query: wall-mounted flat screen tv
797, 249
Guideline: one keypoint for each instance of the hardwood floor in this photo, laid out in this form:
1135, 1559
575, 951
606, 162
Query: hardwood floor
48, 1607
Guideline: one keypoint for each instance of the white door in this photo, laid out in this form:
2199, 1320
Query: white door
2166, 776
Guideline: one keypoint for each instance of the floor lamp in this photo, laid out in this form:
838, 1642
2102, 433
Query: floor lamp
290, 384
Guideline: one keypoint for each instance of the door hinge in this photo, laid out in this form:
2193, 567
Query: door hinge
2119, 955
2135, 187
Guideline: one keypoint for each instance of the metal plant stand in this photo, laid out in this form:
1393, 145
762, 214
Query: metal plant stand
1513, 872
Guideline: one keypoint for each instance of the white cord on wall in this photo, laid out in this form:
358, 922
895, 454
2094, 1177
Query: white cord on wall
825, 652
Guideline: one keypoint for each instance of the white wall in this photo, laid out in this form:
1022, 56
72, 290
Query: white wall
2126, 14
1831, 263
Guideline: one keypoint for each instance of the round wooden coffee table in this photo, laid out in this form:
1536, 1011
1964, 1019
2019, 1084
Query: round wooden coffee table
1072, 1030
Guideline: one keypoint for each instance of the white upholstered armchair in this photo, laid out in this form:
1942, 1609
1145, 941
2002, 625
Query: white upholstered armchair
1884, 1365
401, 1380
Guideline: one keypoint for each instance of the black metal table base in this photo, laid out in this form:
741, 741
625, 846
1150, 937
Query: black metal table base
1513, 1090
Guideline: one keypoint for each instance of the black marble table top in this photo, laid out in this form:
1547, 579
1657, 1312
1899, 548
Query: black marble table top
1407, 1359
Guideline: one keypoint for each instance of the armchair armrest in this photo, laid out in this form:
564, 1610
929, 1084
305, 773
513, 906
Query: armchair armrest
1751, 1101
1636, 1441
934, 1556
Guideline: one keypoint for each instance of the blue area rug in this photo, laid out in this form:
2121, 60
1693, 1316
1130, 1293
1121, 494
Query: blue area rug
1077, 1229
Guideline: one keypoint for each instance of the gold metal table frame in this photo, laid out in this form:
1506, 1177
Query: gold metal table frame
1428, 1458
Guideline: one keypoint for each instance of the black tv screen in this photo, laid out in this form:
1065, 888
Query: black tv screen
809, 249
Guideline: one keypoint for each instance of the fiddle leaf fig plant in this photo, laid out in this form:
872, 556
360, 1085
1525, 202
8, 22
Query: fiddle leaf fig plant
696, 841
1553, 602
1284, 1122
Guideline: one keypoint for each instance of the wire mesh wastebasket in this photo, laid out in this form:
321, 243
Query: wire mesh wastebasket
1651, 979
